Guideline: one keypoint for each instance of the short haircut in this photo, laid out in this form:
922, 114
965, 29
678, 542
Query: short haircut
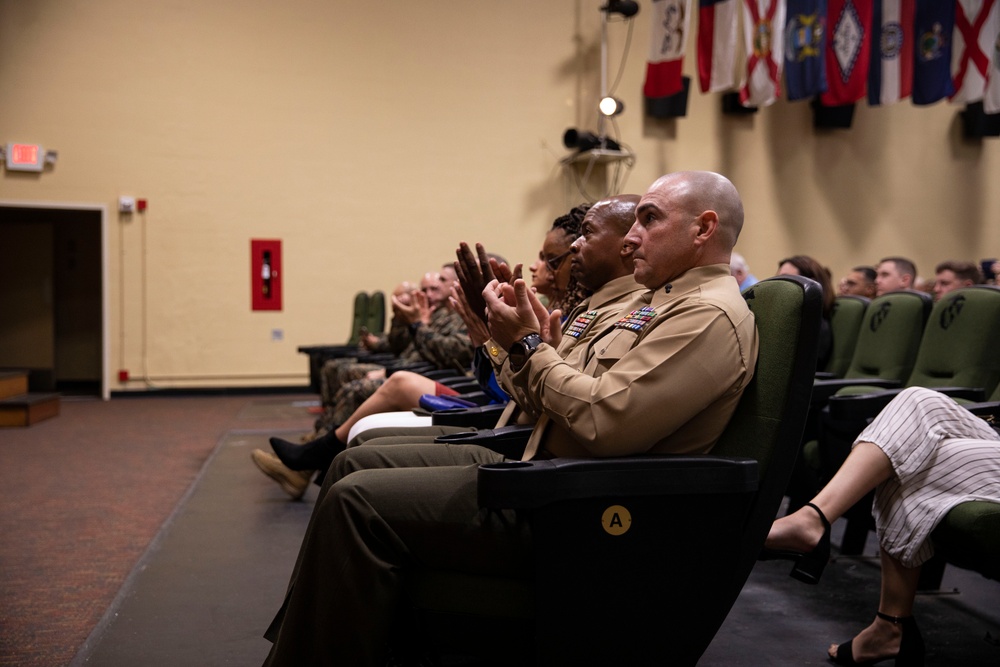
962, 270
903, 265
868, 272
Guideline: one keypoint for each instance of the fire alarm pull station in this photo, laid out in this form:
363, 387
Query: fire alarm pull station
265, 274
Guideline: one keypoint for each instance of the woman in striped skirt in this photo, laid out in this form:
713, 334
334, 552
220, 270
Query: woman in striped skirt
923, 455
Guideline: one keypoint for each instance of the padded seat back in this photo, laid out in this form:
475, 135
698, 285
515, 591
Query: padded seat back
358, 317
969, 537
770, 418
375, 319
845, 324
890, 335
961, 342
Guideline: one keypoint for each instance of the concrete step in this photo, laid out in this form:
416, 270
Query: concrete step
13, 383
27, 409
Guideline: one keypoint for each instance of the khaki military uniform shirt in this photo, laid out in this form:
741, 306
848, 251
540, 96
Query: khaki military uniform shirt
595, 314
666, 377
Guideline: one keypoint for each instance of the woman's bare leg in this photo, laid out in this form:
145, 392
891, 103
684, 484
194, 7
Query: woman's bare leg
400, 391
881, 639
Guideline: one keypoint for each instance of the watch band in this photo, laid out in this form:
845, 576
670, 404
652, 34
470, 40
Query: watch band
521, 350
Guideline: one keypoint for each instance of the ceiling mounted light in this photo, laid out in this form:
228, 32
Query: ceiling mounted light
611, 106
585, 141
626, 8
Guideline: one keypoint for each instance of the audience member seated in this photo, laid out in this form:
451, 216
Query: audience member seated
598, 263
922, 455
859, 282
689, 343
601, 262
740, 270
806, 266
952, 275
381, 342
400, 342
436, 333
894, 274
550, 274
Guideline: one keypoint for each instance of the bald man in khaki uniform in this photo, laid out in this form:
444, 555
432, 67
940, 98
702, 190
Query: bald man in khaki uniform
686, 348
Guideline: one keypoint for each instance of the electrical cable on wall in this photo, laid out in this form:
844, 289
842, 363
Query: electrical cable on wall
604, 147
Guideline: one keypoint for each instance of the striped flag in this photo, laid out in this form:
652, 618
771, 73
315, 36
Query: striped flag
805, 49
763, 33
933, 29
977, 27
848, 47
670, 22
890, 76
717, 20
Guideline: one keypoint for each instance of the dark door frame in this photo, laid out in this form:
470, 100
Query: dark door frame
105, 296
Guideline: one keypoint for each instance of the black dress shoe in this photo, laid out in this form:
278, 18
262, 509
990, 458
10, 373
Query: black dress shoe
809, 565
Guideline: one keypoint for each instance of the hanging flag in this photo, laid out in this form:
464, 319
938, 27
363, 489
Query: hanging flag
670, 22
717, 22
763, 33
805, 44
991, 95
890, 75
977, 26
933, 28
848, 47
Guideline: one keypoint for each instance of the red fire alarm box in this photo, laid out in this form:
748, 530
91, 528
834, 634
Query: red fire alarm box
265, 274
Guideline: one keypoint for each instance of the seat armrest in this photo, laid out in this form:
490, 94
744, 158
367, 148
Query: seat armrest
984, 408
867, 406
532, 484
824, 375
466, 386
442, 374
824, 389
484, 416
860, 407
974, 394
507, 440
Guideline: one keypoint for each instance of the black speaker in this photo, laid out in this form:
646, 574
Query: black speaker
672, 106
832, 117
731, 105
976, 123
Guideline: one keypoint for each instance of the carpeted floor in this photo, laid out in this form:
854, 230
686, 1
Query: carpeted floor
83, 495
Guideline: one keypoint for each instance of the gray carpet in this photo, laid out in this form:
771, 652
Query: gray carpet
211, 582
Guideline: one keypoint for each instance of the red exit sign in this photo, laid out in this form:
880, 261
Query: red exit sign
25, 157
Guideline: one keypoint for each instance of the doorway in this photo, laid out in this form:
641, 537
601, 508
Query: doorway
52, 297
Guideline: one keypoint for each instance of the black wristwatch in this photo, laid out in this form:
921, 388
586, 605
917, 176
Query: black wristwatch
522, 349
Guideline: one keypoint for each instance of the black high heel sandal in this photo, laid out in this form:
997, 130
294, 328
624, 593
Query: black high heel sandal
809, 565
911, 646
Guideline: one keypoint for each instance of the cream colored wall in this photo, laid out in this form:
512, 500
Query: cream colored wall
371, 137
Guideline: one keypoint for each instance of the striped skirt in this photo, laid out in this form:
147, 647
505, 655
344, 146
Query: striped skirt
942, 455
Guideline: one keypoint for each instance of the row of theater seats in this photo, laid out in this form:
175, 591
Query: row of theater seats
368, 314
899, 340
625, 570
629, 535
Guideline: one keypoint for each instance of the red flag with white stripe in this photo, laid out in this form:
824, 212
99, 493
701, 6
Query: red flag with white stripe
764, 35
717, 21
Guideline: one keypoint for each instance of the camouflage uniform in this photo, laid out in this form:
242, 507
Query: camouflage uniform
444, 342
338, 372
